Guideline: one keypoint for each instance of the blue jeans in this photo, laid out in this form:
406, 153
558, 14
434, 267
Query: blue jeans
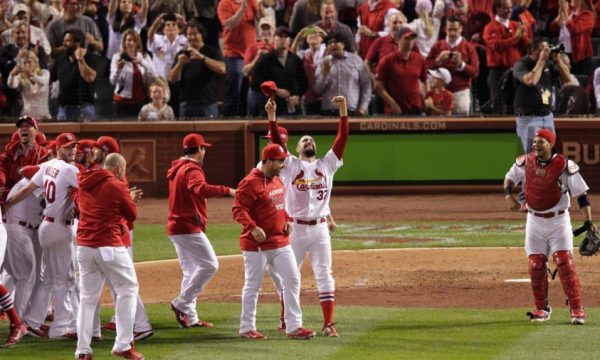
234, 76
528, 125
85, 112
210, 111
255, 103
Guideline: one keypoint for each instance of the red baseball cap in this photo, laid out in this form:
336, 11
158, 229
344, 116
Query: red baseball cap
194, 141
547, 134
282, 132
405, 32
107, 144
40, 138
51, 147
29, 170
85, 145
268, 88
26, 118
274, 152
65, 140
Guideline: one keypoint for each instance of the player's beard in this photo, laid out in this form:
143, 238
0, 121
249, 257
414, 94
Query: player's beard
309, 152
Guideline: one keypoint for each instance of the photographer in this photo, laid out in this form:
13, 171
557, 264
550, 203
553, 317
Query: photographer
196, 71
131, 71
534, 76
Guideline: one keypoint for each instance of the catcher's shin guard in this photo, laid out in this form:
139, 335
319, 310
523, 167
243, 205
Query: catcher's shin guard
568, 277
539, 280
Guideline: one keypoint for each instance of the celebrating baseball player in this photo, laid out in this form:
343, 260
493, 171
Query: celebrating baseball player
104, 202
549, 179
187, 220
308, 182
260, 208
56, 177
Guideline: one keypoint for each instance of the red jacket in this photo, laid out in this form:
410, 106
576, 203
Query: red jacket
581, 27
260, 201
374, 20
12, 160
503, 48
461, 80
188, 192
104, 206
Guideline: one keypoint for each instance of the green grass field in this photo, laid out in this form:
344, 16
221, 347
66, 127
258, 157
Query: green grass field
366, 332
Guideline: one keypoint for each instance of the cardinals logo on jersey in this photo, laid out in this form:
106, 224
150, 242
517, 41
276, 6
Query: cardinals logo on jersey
318, 183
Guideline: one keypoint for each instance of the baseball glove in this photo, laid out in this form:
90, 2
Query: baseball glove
590, 246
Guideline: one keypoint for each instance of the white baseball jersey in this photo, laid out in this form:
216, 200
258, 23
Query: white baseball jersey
30, 209
56, 177
570, 181
308, 185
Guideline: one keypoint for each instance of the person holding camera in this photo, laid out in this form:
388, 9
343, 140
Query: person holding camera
198, 64
575, 24
33, 83
131, 71
533, 77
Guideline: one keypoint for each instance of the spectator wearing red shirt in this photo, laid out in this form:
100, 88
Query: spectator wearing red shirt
521, 13
186, 226
506, 42
458, 56
237, 18
386, 44
260, 208
371, 16
575, 33
398, 77
266, 34
438, 100
21, 153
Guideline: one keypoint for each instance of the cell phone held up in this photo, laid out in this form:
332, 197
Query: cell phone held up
125, 57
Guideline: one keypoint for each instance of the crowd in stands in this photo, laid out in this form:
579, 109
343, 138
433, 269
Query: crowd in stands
159, 60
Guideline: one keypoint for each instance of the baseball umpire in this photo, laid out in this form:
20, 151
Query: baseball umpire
549, 179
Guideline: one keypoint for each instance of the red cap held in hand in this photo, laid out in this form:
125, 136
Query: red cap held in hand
268, 88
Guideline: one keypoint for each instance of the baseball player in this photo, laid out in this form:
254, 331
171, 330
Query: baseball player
17, 328
187, 220
549, 179
104, 201
22, 222
55, 177
260, 208
101, 149
308, 182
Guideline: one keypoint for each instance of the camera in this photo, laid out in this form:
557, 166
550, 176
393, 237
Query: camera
187, 52
125, 56
557, 49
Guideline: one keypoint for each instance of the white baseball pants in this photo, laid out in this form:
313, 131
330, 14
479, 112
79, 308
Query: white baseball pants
3, 240
284, 263
199, 264
316, 241
57, 281
547, 236
94, 265
20, 263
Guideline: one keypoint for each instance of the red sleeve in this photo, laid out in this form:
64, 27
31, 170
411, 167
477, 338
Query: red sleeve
242, 205
472, 62
493, 40
448, 103
372, 56
224, 11
582, 23
250, 53
433, 54
196, 183
275, 135
128, 208
339, 145
423, 70
3, 168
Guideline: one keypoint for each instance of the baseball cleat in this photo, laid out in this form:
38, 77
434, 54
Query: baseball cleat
50, 317
141, 335
16, 334
71, 335
97, 338
129, 354
281, 326
110, 326
38, 333
85, 357
253, 335
577, 316
540, 315
182, 318
329, 331
201, 323
301, 334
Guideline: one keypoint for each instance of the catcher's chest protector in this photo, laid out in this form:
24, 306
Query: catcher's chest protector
542, 190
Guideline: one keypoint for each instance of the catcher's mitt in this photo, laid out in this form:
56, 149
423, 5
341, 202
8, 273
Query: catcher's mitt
590, 246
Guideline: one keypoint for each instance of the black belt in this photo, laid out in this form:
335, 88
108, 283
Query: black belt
311, 222
542, 113
66, 222
547, 215
22, 223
